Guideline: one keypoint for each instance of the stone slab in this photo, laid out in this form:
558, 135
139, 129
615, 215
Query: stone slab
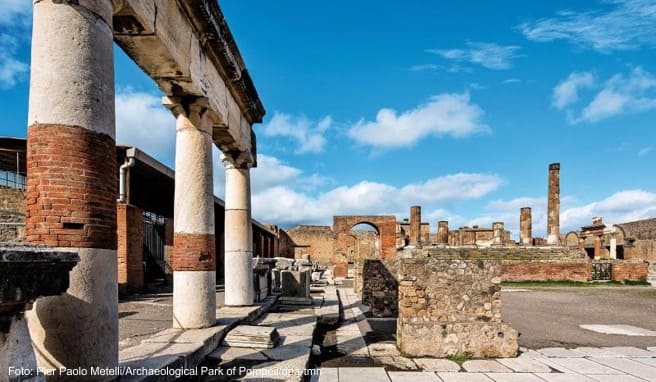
559, 353
628, 366
413, 376
624, 330
514, 377
252, 336
484, 366
464, 377
524, 364
616, 378
287, 352
630, 351
401, 363
595, 352
290, 370
359, 374
383, 349
646, 361
437, 364
296, 300
564, 377
326, 374
227, 354
584, 366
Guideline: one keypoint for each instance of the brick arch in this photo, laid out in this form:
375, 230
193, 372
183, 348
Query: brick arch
384, 225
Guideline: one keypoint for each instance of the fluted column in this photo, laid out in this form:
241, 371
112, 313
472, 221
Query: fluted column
238, 230
194, 248
72, 179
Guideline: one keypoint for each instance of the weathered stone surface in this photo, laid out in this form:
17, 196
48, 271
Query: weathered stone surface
452, 305
484, 366
437, 364
402, 376
296, 287
251, 336
524, 364
462, 377
358, 374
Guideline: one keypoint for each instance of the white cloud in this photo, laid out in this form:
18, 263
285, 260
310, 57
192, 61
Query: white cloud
567, 91
15, 10
488, 55
142, 121
287, 206
628, 24
621, 207
631, 93
443, 115
12, 70
645, 150
308, 135
422, 67
512, 81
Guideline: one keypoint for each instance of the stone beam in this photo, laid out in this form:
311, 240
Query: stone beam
188, 49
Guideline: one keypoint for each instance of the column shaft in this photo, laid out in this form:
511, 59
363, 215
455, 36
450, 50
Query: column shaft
525, 226
415, 225
72, 179
238, 234
443, 232
194, 248
553, 205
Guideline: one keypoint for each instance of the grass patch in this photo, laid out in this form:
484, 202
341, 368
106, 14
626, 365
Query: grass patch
458, 358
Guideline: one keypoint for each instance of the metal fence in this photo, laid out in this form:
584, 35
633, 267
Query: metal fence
12, 179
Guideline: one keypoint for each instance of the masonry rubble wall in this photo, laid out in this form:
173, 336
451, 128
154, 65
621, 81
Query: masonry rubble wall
12, 214
450, 304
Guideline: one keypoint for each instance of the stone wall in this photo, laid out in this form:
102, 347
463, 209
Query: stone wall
624, 270
12, 214
450, 303
641, 250
319, 239
380, 288
546, 269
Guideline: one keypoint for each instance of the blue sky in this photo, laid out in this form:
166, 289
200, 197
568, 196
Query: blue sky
373, 107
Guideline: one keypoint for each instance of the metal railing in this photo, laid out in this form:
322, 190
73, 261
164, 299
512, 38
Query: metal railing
12, 180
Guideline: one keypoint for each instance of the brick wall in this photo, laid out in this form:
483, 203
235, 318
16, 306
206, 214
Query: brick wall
543, 270
320, 240
130, 248
624, 270
377, 282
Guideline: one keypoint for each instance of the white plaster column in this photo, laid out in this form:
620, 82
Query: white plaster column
238, 231
71, 114
194, 247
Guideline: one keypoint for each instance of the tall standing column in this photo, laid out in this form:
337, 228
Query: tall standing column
497, 233
238, 230
194, 249
525, 226
415, 226
443, 232
72, 179
553, 205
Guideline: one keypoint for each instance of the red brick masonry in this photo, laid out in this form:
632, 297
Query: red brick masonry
194, 252
629, 271
71, 187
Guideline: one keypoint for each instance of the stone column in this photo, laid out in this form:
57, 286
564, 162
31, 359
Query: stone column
415, 226
72, 179
497, 233
443, 232
194, 249
525, 226
597, 246
238, 230
553, 205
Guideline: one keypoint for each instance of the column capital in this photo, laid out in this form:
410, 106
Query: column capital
239, 160
196, 109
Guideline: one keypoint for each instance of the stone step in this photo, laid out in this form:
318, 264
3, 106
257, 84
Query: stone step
252, 336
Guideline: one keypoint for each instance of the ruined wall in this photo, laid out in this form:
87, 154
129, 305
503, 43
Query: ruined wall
319, 239
129, 223
546, 269
379, 286
12, 214
641, 250
450, 303
624, 270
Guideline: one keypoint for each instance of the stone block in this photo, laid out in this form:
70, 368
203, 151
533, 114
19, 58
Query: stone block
296, 287
249, 336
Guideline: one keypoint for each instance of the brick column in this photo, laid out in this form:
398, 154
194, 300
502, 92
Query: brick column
415, 226
72, 179
553, 205
525, 226
130, 248
443, 232
597, 246
238, 230
194, 251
